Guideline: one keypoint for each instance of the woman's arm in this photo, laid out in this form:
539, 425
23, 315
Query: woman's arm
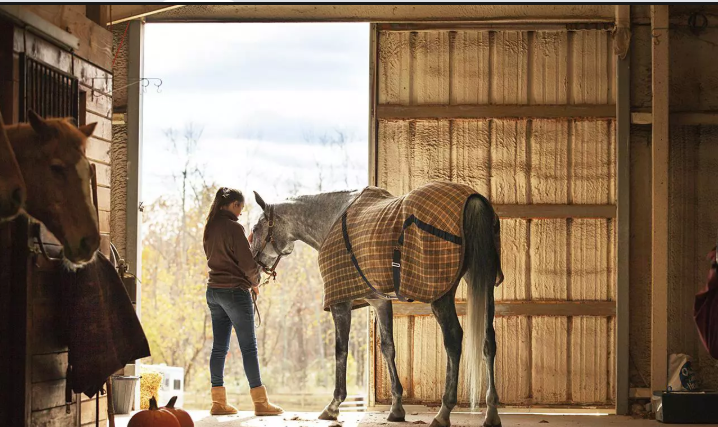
245, 261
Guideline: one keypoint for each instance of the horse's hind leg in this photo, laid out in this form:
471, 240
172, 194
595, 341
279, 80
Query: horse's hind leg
385, 314
492, 397
342, 314
445, 312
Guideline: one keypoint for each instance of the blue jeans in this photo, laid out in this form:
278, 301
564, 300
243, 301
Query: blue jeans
232, 307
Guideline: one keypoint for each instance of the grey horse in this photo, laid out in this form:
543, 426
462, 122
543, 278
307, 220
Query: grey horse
310, 218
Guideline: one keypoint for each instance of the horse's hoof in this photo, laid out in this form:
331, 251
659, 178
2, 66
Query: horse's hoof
326, 416
396, 418
436, 423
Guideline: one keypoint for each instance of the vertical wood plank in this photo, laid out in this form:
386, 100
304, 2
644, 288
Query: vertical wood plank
660, 156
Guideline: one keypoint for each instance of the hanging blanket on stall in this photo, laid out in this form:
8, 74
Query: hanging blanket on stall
414, 243
104, 331
705, 309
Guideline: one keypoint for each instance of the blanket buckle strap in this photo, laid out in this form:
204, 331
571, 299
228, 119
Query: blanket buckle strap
396, 273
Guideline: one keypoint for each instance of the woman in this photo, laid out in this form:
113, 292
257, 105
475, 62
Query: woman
232, 274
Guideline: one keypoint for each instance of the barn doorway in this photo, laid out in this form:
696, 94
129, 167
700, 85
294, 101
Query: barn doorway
281, 109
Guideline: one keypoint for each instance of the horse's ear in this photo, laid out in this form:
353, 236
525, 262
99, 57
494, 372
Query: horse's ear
88, 130
38, 123
260, 201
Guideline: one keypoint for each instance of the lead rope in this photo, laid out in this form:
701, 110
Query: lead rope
256, 308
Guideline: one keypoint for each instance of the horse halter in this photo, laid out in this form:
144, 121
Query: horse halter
269, 240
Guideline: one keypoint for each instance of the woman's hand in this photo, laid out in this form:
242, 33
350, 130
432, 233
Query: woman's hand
250, 237
256, 289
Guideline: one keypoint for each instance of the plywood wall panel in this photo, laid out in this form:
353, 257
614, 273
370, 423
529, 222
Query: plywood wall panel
589, 359
548, 67
514, 261
509, 67
549, 161
430, 58
509, 162
592, 64
593, 162
394, 68
393, 154
513, 359
471, 154
592, 274
549, 359
429, 359
549, 273
470, 78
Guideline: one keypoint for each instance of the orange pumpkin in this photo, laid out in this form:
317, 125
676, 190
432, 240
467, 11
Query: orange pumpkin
182, 416
154, 417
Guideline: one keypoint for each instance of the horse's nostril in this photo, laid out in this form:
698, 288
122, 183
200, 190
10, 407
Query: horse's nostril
17, 197
86, 245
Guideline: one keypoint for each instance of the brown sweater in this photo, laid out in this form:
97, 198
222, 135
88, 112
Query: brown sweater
229, 258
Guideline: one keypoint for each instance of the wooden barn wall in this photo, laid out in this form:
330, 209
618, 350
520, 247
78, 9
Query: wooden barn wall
693, 223
542, 360
45, 362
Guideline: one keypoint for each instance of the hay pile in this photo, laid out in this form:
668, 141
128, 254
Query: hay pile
150, 383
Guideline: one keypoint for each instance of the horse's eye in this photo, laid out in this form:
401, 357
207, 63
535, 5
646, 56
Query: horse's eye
58, 169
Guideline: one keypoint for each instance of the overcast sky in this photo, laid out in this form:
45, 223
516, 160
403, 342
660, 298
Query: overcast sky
263, 94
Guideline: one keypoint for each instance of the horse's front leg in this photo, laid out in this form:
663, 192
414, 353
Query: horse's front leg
385, 313
342, 314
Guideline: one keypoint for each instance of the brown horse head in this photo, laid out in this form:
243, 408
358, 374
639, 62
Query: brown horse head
12, 186
51, 155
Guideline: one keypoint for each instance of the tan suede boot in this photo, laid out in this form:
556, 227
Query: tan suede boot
262, 406
219, 402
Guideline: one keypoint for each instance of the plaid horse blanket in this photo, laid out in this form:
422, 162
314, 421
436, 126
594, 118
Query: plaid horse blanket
410, 246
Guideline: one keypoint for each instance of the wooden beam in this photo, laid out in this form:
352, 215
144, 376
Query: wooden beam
449, 112
126, 12
679, 118
660, 156
513, 25
98, 13
133, 255
95, 42
623, 202
694, 118
373, 101
522, 308
40, 26
641, 118
555, 211
386, 13
640, 393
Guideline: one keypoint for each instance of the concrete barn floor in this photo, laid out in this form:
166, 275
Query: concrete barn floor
378, 419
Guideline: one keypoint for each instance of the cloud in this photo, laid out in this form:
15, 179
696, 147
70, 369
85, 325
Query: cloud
258, 90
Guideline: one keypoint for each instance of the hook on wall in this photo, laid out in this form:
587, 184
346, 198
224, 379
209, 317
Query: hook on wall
144, 81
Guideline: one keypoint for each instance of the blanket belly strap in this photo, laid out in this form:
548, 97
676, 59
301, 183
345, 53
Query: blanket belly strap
348, 244
396, 275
